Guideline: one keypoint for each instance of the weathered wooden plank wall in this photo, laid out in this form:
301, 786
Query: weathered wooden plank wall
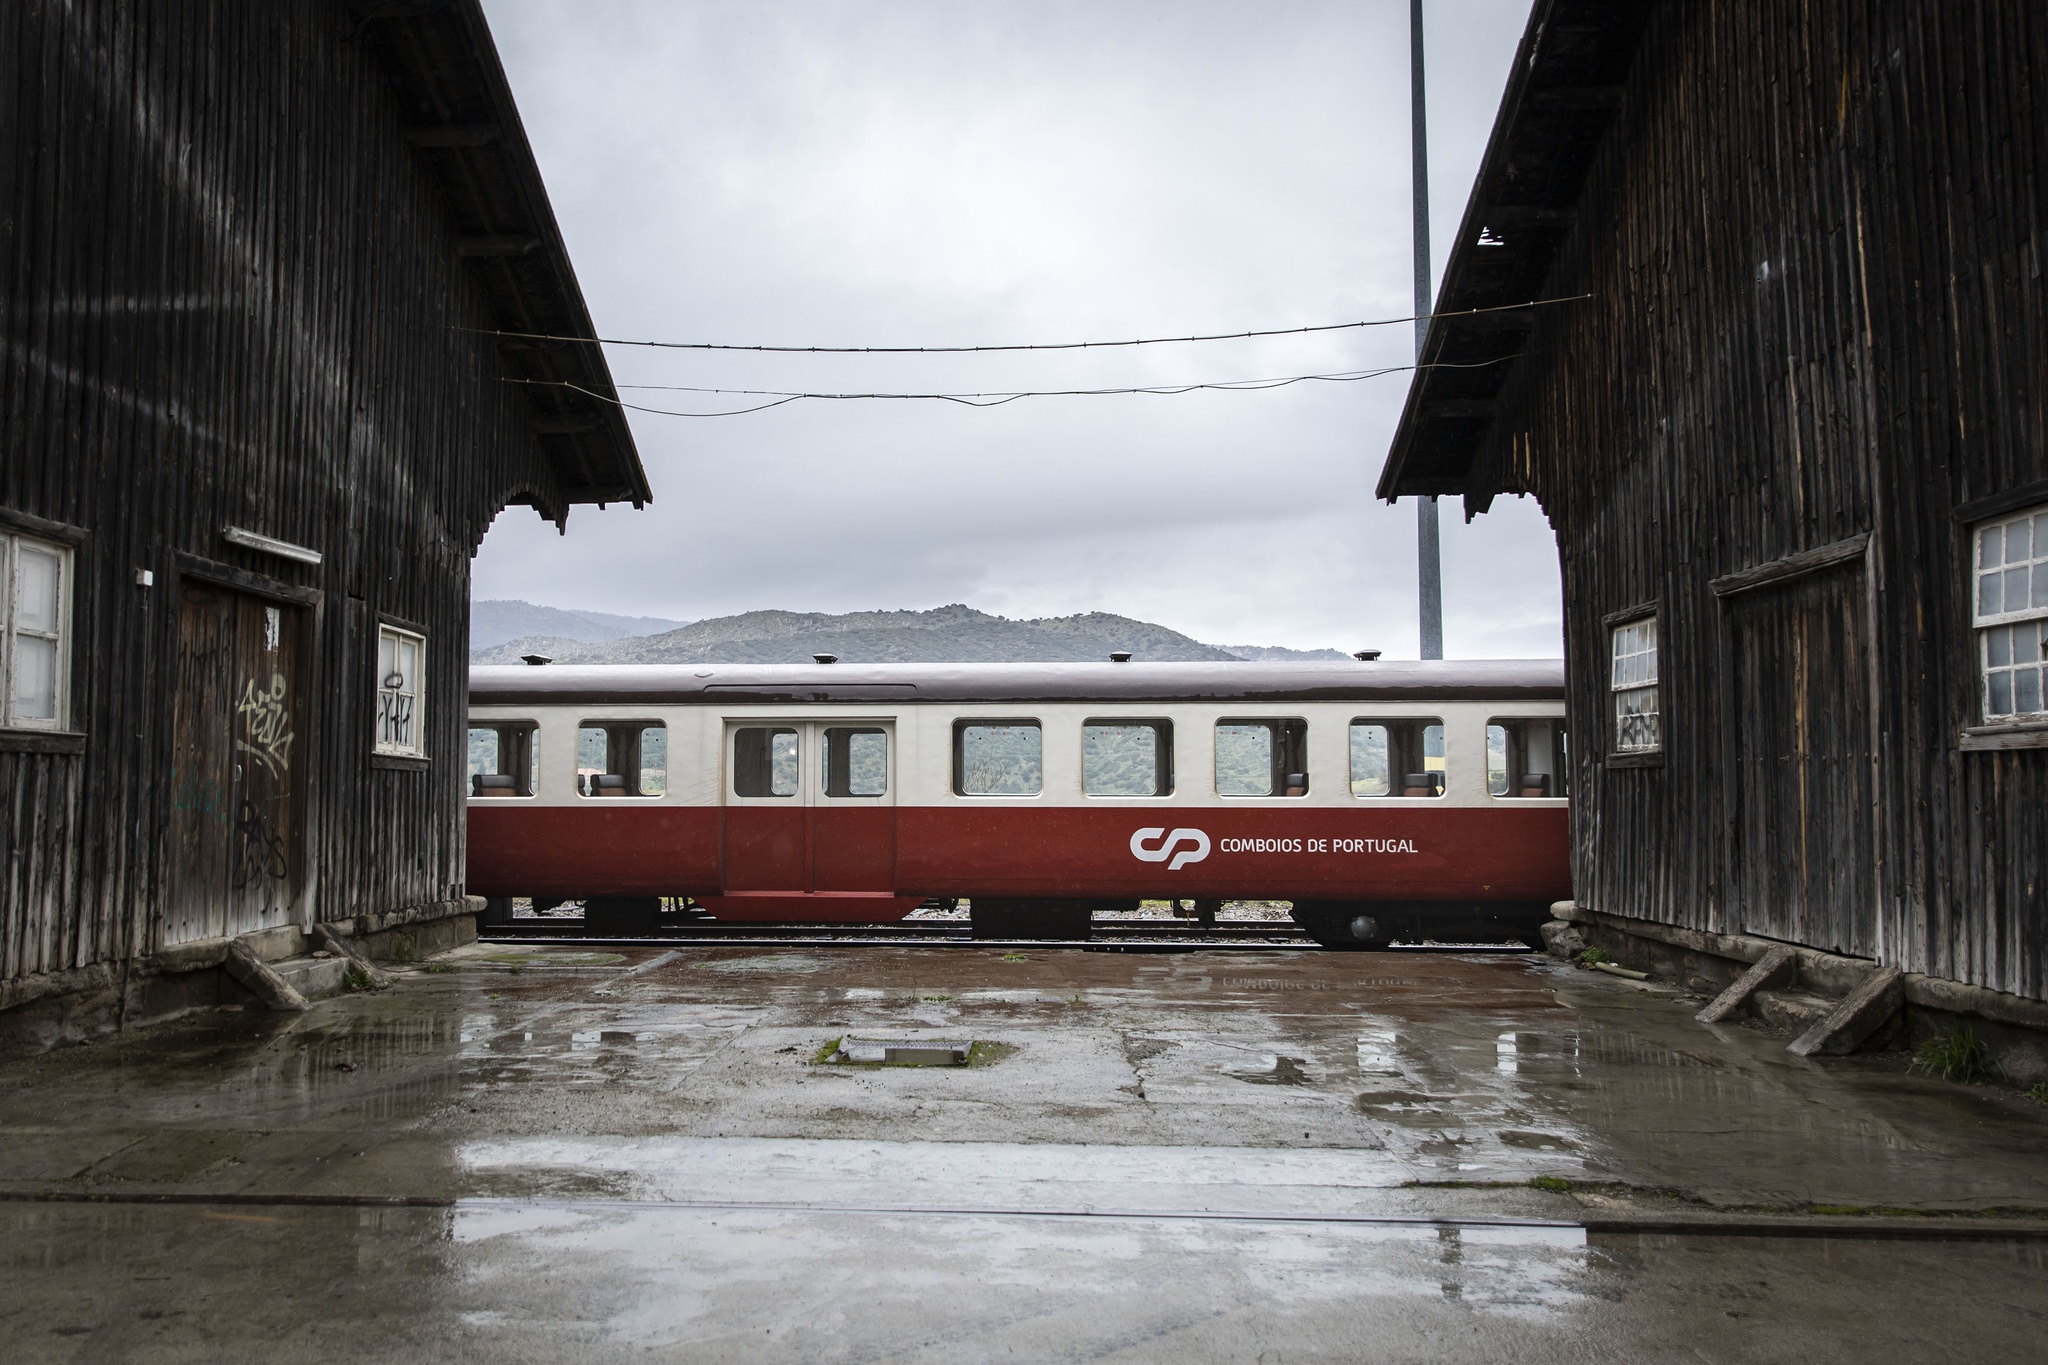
230, 296
1813, 234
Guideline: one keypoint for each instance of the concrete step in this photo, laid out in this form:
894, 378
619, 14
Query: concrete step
1791, 1011
314, 977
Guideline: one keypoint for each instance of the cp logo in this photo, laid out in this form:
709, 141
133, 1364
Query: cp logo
1198, 846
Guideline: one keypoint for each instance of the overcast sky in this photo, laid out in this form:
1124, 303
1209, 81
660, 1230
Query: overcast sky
896, 172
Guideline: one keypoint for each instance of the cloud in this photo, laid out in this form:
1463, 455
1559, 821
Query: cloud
946, 173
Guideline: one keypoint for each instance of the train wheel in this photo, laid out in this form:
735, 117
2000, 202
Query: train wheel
1346, 928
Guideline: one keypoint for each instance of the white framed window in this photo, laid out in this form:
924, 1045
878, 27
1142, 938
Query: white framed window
2011, 615
401, 668
1634, 683
35, 633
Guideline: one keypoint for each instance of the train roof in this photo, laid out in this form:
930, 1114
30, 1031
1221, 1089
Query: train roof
1015, 683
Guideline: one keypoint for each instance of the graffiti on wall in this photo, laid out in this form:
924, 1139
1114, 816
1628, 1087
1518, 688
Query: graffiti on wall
267, 733
259, 848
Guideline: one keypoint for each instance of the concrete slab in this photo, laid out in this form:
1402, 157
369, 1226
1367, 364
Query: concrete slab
1202, 1155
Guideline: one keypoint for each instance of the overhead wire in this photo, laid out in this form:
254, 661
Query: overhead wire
996, 398
1024, 346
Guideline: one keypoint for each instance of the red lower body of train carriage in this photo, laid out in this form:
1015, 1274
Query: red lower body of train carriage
1351, 872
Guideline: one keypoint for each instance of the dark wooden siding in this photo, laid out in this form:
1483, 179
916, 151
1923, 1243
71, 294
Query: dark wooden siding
1813, 237
231, 297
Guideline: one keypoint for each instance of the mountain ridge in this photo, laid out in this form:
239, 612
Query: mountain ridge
955, 633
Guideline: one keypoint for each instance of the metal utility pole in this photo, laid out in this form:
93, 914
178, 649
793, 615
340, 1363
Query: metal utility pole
1428, 548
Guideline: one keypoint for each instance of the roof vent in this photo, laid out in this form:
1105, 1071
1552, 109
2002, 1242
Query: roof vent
1119, 656
826, 658
1366, 656
536, 659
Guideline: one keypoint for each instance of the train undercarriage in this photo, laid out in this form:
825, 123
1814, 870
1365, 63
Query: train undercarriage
1338, 925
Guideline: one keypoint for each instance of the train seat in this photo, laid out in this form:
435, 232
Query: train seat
609, 784
1535, 784
493, 784
1422, 784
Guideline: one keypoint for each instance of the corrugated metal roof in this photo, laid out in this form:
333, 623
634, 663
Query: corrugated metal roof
911, 684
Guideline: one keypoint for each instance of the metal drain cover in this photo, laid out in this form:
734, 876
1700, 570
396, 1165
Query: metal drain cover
905, 1051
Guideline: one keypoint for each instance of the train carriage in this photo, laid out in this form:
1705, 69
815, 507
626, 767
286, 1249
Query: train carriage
1379, 799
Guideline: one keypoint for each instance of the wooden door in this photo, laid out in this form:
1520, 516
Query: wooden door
1803, 852
235, 855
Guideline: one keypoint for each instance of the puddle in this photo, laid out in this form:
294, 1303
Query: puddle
1286, 1071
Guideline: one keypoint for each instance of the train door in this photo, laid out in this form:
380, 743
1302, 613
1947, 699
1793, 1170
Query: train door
810, 809
235, 824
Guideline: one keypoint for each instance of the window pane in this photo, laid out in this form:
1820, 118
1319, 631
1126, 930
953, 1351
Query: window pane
2026, 690
483, 753
1001, 760
2026, 644
1496, 760
1999, 701
1120, 760
35, 678
2041, 585
856, 762
2019, 542
2015, 589
1244, 760
1370, 775
654, 760
1990, 597
764, 762
36, 605
1998, 647
1990, 547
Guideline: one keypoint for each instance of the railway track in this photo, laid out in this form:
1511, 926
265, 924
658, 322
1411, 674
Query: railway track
1105, 936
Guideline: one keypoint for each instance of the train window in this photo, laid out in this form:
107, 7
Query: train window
1262, 758
1397, 757
764, 761
621, 758
998, 758
1525, 757
856, 762
502, 759
1127, 757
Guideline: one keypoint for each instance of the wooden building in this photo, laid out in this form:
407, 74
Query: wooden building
1789, 421
254, 423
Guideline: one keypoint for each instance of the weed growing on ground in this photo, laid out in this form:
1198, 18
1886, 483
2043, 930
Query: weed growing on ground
1589, 956
934, 999
2038, 1092
1015, 957
356, 979
405, 954
438, 967
1556, 1184
1956, 1054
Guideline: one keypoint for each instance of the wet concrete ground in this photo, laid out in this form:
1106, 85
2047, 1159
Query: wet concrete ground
1215, 1155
